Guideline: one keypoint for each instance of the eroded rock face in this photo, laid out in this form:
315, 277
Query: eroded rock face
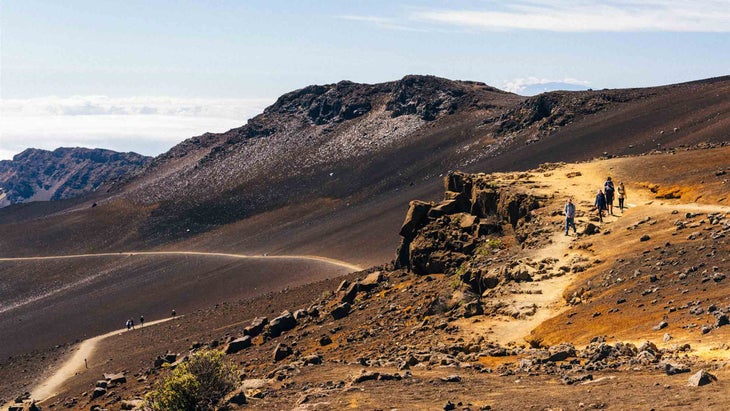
438, 238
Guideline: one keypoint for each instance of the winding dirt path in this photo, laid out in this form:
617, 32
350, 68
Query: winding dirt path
328, 260
76, 363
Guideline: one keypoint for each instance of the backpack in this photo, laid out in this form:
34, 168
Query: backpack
608, 187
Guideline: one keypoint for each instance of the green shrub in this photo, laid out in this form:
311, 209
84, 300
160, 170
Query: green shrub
195, 385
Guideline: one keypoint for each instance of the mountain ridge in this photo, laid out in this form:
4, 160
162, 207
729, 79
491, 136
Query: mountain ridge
66, 172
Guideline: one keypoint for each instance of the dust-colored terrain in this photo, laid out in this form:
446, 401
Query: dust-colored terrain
419, 339
329, 171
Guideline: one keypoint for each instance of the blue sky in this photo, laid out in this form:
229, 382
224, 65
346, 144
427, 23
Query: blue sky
143, 75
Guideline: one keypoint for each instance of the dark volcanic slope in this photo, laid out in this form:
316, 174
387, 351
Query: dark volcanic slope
51, 302
38, 175
342, 146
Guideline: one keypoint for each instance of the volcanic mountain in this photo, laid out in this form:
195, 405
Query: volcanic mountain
326, 172
41, 175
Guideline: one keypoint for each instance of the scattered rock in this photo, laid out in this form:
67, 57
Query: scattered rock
282, 351
672, 369
701, 378
366, 376
117, 378
236, 397
238, 344
341, 311
451, 378
282, 323
98, 392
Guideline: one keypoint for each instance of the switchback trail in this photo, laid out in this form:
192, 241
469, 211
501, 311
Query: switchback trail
327, 260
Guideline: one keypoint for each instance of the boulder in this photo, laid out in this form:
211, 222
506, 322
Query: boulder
561, 352
98, 392
238, 344
132, 404
371, 281
314, 359
467, 221
463, 203
366, 376
701, 378
256, 327
415, 218
350, 294
300, 314
117, 378
341, 311
236, 397
282, 323
672, 369
443, 208
591, 229
325, 340
282, 351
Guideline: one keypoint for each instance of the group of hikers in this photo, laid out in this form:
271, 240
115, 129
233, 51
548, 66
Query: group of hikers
130, 322
603, 202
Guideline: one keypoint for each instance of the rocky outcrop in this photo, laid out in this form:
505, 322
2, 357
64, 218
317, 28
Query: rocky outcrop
439, 237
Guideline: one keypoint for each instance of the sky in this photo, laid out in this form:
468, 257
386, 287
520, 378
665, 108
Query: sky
144, 75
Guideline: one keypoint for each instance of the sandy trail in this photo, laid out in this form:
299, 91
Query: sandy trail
75, 364
549, 301
328, 260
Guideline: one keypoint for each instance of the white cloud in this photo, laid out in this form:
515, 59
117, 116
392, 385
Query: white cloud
579, 16
519, 85
147, 125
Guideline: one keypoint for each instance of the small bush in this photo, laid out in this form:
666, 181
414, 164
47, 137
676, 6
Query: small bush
195, 385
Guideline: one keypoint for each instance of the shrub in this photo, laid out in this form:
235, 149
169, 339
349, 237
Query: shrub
195, 385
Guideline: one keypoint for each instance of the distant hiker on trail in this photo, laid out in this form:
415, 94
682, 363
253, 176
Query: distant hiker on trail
600, 204
141, 320
570, 216
609, 190
173, 313
621, 195
129, 324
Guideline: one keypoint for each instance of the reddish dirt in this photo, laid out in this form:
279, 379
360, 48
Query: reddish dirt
370, 337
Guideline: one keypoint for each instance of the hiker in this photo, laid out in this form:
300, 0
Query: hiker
141, 320
609, 190
621, 195
129, 324
600, 204
570, 216
173, 313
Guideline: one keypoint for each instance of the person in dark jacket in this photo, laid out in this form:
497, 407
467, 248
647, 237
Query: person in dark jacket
608, 189
570, 216
600, 204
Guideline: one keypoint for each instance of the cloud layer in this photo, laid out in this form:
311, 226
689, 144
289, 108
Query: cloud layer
573, 16
519, 85
147, 125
